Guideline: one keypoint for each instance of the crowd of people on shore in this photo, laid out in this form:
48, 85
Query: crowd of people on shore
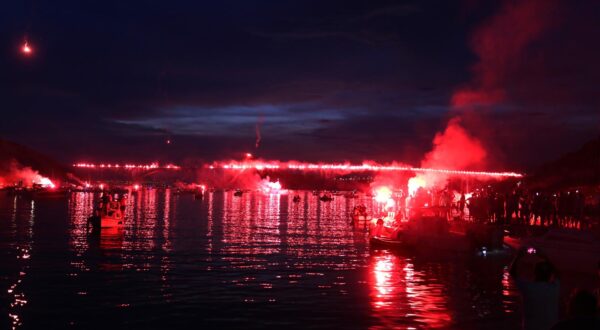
540, 289
569, 208
558, 209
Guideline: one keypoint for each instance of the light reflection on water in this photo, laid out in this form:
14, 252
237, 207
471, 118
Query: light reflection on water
256, 260
18, 249
400, 295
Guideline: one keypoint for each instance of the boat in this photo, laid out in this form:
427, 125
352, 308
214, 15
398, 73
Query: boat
385, 242
425, 231
111, 212
112, 216
113, 221
326, 198
569, 250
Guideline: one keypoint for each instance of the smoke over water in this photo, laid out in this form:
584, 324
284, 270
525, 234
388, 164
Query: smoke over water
16, 174
500, 44
453, 148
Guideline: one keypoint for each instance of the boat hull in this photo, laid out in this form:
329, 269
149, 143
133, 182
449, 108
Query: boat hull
384, 242
109, 222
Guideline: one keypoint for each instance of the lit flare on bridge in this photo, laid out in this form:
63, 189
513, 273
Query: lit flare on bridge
127, 166
346, 167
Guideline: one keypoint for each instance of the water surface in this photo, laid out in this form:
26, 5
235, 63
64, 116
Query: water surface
255, 261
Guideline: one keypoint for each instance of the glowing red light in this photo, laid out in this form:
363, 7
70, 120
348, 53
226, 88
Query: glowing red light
128, 166
45, 182
346, 167
415, 183
269, 187
26, 49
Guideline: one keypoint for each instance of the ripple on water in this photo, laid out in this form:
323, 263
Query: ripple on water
256, 260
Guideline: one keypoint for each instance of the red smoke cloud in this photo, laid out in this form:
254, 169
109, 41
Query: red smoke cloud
14, 174
500, 44
454, 149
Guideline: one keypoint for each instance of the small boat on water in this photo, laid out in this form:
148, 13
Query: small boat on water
109, 213
326, 198
425, 231
112, 220
112, 215
385, 242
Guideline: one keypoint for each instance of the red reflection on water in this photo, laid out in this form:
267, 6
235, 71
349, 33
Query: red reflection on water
147, 226
166, 233
209, 225
109, 242
401, 296
21, 231
250, 228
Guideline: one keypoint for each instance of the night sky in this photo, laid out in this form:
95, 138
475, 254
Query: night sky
321, 80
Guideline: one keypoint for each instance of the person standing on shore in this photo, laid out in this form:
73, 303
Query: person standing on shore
540, 295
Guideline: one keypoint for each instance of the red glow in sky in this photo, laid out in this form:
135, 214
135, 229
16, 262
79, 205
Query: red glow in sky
26, 48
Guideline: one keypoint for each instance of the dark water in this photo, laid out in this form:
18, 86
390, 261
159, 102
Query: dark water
231, 262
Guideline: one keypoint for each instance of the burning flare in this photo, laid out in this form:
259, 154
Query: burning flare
415, 183
128, 166
26, 49
383, 195
268, 187
46, 183
346, 167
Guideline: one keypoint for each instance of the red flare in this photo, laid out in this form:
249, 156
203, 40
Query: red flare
26, 49
346, 167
